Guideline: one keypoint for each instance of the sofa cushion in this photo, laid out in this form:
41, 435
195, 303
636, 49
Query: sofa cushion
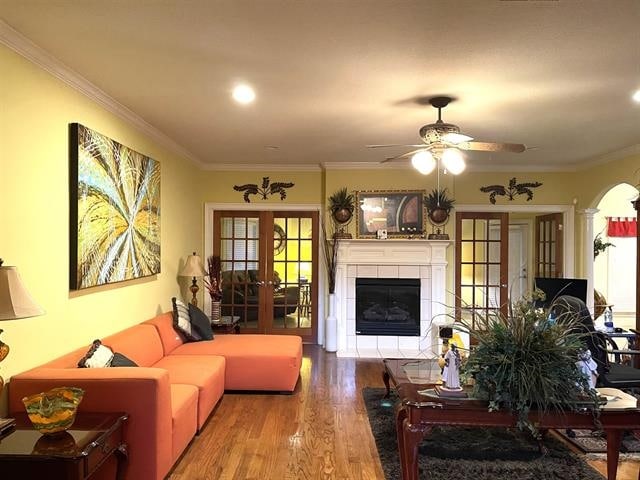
203, 371
184, 417
253, 362
168, 335
141, 343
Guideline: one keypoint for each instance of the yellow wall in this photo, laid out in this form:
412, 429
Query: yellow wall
35, 110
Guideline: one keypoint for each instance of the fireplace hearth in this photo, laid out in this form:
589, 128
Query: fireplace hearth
388, 306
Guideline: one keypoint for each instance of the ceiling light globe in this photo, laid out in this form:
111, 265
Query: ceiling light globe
244, 94
636, 96
424, 162
453, 160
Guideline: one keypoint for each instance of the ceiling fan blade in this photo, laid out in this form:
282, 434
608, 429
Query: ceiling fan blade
402, 155
492, 147
394, 145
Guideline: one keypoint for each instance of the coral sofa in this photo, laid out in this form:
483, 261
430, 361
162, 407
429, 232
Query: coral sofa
174, 389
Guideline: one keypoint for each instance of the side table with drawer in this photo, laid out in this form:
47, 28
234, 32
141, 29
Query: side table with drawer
74, 455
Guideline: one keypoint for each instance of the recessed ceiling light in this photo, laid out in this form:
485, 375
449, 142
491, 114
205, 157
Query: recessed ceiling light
636, 96
244, 94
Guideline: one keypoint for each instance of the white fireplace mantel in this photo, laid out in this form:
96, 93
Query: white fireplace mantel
391, 258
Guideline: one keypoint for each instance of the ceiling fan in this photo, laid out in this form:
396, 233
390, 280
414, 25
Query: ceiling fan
444, 141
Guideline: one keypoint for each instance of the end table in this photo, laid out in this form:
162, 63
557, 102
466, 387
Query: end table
227, 324
73, 455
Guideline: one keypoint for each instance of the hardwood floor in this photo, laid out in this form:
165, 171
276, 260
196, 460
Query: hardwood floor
321, 431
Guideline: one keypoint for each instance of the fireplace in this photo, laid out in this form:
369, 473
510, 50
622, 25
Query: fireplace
388, 306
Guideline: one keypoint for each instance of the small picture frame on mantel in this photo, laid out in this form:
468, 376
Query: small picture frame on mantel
400, 212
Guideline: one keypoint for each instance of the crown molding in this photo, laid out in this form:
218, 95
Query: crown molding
611, 156
37, 55
261, 167
471, 167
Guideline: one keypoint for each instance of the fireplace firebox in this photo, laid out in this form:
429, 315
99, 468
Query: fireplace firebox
388, 306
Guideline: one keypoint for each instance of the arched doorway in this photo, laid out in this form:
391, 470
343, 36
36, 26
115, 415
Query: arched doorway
614, 269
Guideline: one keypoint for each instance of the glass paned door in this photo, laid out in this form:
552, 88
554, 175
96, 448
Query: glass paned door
294, 256
549, 246
482, 245
238, 245
269, 274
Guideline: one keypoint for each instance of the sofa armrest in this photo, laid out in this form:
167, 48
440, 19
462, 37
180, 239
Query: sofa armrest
143, 393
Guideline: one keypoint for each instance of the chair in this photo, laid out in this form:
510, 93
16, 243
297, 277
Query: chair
610, 374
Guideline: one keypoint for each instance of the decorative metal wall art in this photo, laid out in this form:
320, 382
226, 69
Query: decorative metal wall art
511, 191
265, 190
114, 211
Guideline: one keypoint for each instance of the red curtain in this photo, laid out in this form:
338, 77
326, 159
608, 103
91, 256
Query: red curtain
621, 226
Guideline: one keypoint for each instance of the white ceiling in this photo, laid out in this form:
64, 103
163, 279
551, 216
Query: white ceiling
332, 76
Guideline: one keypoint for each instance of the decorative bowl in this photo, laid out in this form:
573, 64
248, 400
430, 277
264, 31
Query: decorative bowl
53, 411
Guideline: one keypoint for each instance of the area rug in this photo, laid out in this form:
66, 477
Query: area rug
591, 442
472, 453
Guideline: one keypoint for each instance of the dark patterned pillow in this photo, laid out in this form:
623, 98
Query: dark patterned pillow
200, 322
182, 322
119, 360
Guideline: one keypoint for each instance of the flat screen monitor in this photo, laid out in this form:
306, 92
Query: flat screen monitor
555, 287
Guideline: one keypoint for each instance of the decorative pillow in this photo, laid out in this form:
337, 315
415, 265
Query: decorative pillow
200, 322
119, 360
182, 321
98, 356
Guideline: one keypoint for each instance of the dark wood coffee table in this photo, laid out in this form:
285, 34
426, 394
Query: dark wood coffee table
73, 455
227, 324
417, 414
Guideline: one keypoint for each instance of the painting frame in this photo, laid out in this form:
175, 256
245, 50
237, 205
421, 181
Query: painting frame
114, 211
400, 212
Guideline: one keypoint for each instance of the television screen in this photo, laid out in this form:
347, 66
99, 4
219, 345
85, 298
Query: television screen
555, 287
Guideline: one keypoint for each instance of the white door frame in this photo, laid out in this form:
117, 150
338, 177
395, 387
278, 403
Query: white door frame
210, 207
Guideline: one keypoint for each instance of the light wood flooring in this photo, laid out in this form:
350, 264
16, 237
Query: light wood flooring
321, 431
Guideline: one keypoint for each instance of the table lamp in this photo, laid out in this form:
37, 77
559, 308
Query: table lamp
193, 268
15, 303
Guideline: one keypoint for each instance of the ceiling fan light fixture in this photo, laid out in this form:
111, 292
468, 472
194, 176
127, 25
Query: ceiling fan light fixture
636, 96
456, 138
424, 162
453, 160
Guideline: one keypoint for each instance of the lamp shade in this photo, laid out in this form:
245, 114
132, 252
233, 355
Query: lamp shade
193, 267
15, 300
424, 162
453, 160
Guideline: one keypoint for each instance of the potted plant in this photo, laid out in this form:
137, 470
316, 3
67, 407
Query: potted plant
341, 206
600, 246
523, 361
439, 205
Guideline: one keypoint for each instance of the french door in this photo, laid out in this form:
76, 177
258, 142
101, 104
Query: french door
549, 250
482, 245
269, 270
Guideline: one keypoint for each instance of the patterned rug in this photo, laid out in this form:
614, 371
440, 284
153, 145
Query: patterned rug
590, 442
472, 453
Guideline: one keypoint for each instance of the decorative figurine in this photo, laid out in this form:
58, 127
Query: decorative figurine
588, 367
452, 362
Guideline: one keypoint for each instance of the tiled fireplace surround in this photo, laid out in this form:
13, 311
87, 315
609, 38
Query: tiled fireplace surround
391, 258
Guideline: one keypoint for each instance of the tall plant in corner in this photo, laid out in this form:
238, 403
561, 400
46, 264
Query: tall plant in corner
213, 282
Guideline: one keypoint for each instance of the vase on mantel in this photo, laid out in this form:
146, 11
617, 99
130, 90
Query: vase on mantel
331, 330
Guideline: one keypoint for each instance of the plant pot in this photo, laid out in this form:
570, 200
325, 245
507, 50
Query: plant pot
342, 215
215, 312
439, 215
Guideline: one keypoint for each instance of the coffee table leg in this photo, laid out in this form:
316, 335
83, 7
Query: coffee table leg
614, 438
122, 455
385, 379
409, 438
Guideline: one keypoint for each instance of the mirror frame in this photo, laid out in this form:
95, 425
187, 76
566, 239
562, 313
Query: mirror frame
393, 204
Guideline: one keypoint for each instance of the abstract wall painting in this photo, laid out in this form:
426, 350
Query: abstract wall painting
115, 211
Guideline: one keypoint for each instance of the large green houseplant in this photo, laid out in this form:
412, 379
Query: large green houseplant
523, 362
